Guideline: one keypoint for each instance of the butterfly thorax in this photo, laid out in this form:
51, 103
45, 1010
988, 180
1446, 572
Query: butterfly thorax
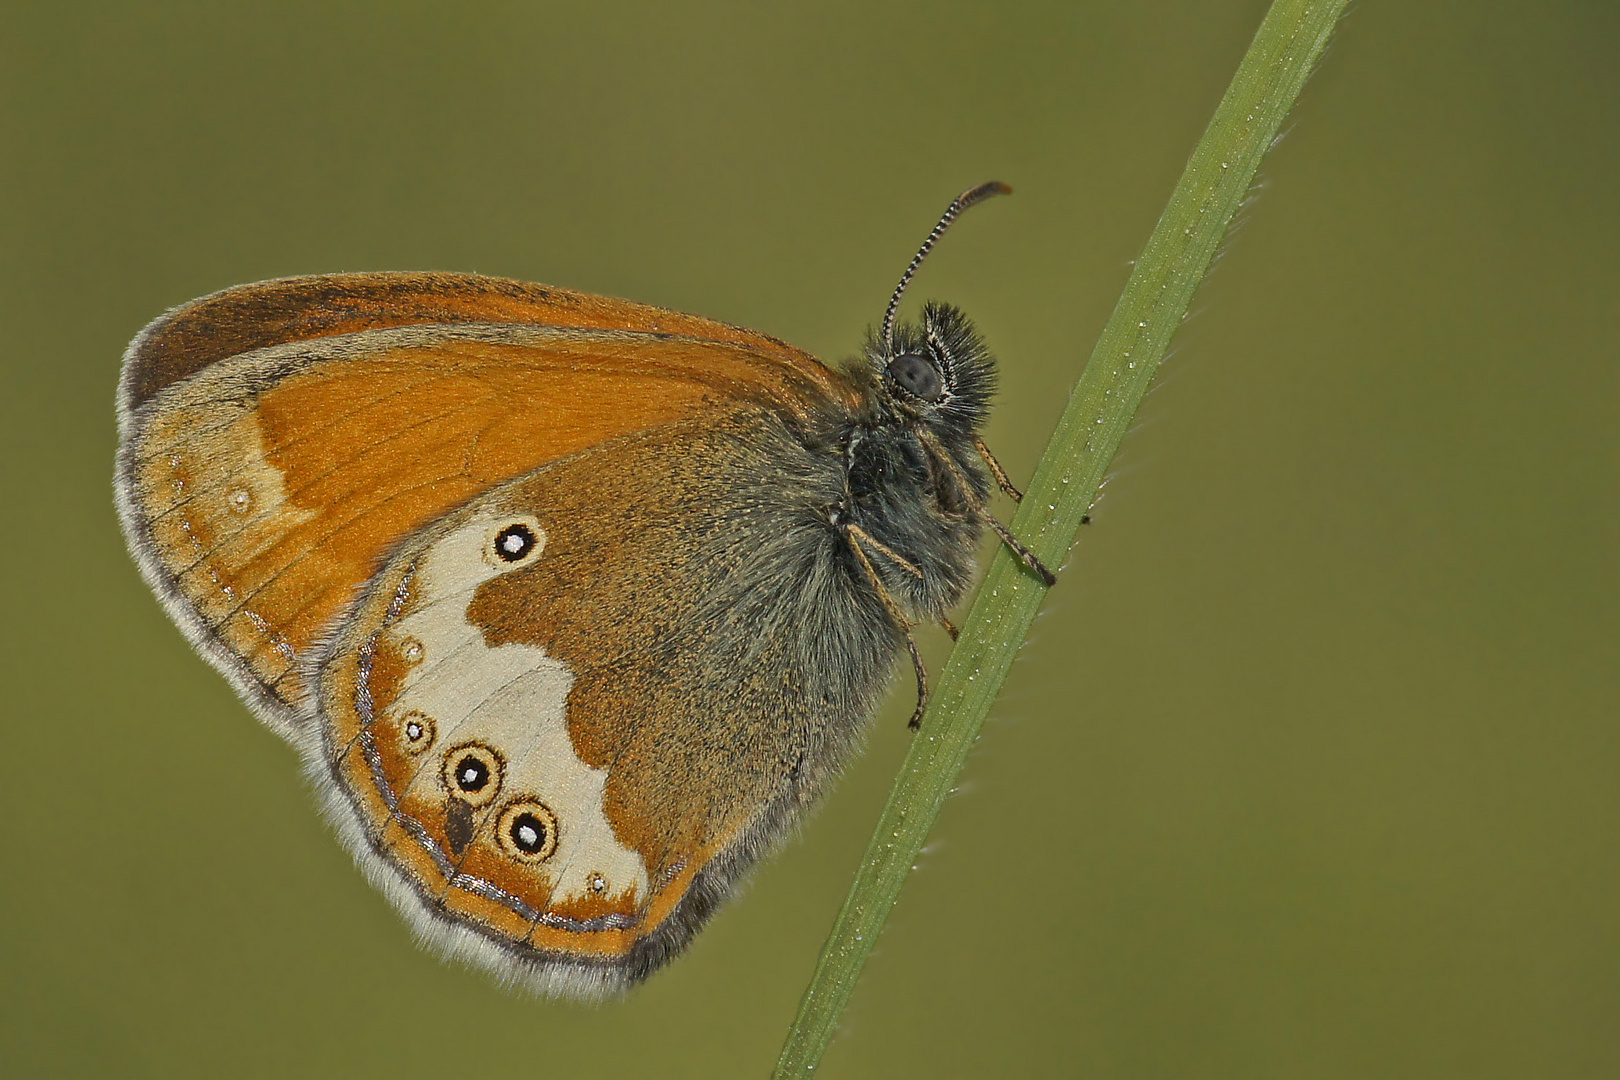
915, 482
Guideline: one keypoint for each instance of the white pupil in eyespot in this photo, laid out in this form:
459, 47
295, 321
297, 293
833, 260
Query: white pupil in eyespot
413, 730
513, 543
527, 835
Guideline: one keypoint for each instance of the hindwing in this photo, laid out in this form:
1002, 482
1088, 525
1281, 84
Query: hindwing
563, 718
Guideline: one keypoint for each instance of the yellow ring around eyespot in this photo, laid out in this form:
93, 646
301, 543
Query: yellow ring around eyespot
521, 525
416, 731
509, 830
472, 773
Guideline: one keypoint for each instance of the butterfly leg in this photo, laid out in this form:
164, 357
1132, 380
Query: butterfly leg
1016, 546
858, 536
996, 470
922, 685
1025, 556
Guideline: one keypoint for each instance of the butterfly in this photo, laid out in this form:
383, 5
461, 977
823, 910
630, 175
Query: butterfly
572, 605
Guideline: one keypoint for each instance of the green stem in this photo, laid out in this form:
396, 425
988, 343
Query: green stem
1066, 482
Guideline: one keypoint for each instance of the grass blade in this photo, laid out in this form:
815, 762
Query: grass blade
1066, 482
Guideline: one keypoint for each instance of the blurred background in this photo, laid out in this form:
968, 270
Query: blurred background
1314, 750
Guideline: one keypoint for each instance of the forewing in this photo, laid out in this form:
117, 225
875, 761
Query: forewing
261, 491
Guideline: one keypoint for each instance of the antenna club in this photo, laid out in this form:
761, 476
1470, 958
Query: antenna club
983, 192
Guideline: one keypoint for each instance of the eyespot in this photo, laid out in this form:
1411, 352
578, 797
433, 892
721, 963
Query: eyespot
416, 730
527, 831
472, 773
917, 376
514, 542
411, 650
595, 882
241, 500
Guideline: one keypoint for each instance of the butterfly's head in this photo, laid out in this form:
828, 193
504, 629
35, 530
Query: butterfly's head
936, 373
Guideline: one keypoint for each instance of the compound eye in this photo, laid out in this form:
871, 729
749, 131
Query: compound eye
917, 376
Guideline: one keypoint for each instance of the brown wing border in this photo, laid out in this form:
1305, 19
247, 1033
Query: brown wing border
188, 338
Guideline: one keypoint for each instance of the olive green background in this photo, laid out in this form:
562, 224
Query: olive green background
1310, 767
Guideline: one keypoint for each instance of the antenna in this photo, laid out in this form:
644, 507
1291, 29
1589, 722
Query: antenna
960, 203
